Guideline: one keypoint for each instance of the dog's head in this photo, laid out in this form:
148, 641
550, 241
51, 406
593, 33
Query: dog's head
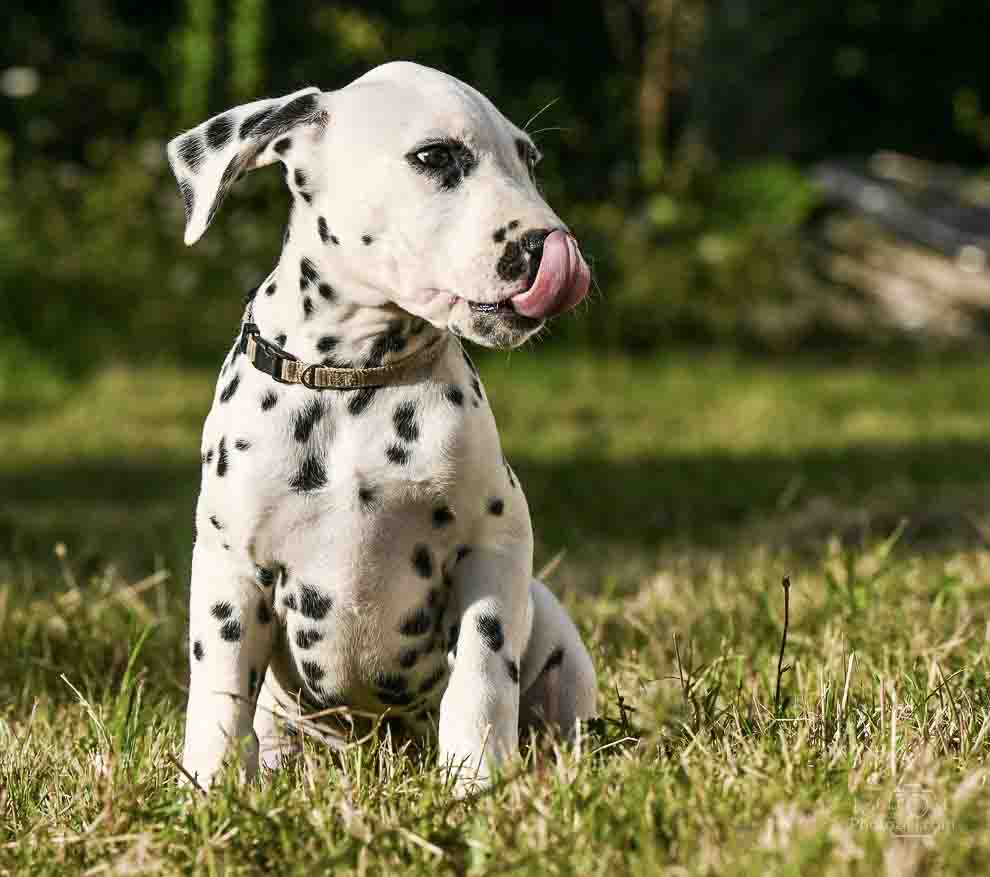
412, 189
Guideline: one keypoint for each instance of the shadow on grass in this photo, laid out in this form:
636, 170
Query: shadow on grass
138, 515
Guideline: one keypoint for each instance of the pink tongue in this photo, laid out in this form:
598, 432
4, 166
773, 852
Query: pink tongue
561, 281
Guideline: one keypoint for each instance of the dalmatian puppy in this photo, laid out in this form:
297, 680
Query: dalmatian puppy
366, 544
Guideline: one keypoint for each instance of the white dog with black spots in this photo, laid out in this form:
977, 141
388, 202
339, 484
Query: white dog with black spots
371, 548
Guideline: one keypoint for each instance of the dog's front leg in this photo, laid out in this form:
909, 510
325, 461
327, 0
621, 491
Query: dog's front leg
230, 643
479, 713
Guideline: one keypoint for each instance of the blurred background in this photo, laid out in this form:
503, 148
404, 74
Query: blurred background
768, 190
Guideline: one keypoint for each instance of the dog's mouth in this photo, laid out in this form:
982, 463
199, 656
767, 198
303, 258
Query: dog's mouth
561, 282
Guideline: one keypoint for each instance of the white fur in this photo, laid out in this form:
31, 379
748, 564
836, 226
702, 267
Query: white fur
328, 501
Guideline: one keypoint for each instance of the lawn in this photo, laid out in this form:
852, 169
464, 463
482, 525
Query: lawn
670, 496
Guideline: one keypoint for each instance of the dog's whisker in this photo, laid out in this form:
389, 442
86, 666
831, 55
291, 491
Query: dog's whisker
539, 113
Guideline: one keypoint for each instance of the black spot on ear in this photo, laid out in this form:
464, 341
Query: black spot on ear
327, 291
230, 389
314, 604
513, 669
252, 121
300, 178
192, 151
307, 307
289, 602
306, 639
215, 522
222, 458
408, 658
296, 110
327, 343
270, 289
306, 419
423, 561
367, 239
490, 629
280, 339
453, 394
264, 613
397, 454
404, 419
188, 198
269, 401
314, 672
242, 444
311, 476
442, 516
496, 507
499, 235
198, 650
282, 146
221, 610
417, 624
264, 576
218, 132
230, 631
555, 660
227, 179
367, 496
360, 400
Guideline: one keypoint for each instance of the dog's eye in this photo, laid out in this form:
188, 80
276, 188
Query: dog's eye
435, 157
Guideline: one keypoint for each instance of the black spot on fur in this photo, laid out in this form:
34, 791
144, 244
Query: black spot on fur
264, 613
314, 672
252, 682
308, 273
513, 669
327, 344
323, 229
314, 604
311, 475
417, 624
242, 444
306, 639
307, 197
361, 399
408, 658
307, 307
222, 458
404, 419
198, 650
442, 516
367, 239
188, 198
512, 226
264, 576
499, 235
270, 289
282, 146
307, 419
496, 507
280, 339
300, 178
230, 631
219, 131
251, 122
289, 602
490, 629
393, 341
555, 660
215, 522
397, 454
367, 496
423, 561
453, 394
327, 292
269, 400
192, 151
230, 389
432, 680
221, 610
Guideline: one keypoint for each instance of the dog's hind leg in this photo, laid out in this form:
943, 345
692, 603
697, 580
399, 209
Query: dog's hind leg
557, 677
278, 740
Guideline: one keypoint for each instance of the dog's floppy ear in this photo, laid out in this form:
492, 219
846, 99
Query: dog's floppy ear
208, 159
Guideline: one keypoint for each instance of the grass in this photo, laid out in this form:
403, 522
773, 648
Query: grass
682, 490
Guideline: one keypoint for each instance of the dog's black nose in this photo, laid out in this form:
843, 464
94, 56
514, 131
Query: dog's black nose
532, 244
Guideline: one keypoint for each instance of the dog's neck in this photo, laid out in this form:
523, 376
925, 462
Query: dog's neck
304, 307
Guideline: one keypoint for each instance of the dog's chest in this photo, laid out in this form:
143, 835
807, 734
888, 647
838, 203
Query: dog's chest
353, 508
